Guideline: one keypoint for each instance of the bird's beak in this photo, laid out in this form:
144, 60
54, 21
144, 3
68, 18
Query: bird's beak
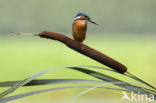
93, 22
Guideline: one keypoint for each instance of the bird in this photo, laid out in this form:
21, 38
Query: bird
79, 26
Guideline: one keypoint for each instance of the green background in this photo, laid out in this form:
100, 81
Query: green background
126, 33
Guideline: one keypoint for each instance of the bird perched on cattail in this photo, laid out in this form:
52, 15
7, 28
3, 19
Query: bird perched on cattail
80, 26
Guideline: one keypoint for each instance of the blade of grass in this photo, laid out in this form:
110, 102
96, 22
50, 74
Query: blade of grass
107, 78
29, 79
140, 80
6, 99
128, 75
49, 81
90, 89
82, 93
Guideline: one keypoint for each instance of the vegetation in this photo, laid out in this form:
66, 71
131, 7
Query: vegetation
46, 50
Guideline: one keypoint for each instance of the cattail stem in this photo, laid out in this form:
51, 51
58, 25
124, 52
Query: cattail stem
29, 34
140, 80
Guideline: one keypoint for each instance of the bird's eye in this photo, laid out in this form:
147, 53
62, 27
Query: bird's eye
87, 18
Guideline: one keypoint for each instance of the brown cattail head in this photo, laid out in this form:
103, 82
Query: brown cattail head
87, 51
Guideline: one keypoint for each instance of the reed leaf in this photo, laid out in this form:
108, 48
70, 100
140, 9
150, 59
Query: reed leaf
6, 99
49, 81
29, 79
135, 89
100, 76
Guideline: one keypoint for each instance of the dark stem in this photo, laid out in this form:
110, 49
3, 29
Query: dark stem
140, 80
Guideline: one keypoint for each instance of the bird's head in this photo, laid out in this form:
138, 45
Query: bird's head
85, 17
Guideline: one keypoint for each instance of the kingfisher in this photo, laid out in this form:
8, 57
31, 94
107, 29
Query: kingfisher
80, 26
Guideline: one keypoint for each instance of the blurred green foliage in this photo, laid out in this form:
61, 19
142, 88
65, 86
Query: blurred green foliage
57, 15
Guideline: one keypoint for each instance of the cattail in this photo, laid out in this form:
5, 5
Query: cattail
77, 46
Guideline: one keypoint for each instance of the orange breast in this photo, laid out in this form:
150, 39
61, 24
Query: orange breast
79, 30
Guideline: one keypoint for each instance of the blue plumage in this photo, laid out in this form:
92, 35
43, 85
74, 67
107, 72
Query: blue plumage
81, 19
83, 14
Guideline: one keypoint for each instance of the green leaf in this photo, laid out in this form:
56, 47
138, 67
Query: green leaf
78, 68
48, 81
135, 89
141, 81
29, 79
3, 100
